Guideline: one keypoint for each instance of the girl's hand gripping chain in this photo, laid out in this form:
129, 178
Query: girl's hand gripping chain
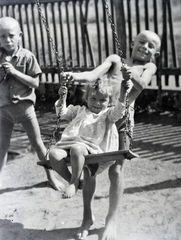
127, 75
64, 81
62, 93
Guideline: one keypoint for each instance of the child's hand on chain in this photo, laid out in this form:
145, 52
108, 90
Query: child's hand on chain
63, 94
66, 79
62, 91
127, 73
127, 76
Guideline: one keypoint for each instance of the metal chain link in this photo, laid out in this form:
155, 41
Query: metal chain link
118, 45
61, 71
54, 48
127, 130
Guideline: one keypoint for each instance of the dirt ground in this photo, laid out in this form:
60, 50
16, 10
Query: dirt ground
151, 207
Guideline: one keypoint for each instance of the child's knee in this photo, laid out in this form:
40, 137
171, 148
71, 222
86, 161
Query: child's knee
57, 154
53, 154
77, 150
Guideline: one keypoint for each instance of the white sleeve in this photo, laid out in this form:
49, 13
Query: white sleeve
117, 112
66, 113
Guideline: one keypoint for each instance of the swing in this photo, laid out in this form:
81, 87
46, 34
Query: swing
101, 157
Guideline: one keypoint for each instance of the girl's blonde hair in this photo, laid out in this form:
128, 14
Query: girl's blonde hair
101, 85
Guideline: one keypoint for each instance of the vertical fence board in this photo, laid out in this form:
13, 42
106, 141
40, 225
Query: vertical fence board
76, 34
137, 16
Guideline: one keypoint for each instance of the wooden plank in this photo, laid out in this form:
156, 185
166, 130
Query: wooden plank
105, 29
49, 36
146, 15
172, 34
98, 158
130, 37
155, 15
28, 28
98, 31
121, 29
61, 31
35, 33
90, 46
137, 16
69, 35
76, 34
83, 34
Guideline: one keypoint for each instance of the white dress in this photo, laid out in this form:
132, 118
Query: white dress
97, 132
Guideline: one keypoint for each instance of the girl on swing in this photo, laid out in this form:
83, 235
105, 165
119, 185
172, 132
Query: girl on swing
91, 130
139, 69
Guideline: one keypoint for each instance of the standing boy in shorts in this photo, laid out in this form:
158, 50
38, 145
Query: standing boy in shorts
19, 76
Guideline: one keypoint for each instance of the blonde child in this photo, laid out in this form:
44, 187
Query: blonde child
91, 130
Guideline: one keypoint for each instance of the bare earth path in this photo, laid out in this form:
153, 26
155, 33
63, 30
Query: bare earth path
151, 207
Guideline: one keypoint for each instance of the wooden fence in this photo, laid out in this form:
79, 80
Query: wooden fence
80, 34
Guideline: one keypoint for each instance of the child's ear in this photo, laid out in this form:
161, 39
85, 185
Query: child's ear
157, 54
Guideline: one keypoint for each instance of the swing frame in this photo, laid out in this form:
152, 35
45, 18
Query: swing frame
100, 157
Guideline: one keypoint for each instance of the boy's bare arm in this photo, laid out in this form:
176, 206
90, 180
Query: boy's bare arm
98, 71
140, 81
133, 94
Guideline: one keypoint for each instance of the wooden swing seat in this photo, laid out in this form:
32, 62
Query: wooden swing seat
97, 158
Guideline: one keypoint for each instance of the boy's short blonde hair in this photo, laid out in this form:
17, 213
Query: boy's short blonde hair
101, 85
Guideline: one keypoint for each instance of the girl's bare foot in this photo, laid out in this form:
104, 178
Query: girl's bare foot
54, 182
83, 231
70, 191
57, 185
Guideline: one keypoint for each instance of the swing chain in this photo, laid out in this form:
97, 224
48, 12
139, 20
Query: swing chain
120, 52
127, 130
56, 130
54, 48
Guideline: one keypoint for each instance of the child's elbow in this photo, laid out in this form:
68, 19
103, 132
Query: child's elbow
143, 86
35, 83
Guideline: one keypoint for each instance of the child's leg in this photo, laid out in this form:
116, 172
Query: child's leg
33, 131
77, 156
58, 164
6, 128
88, 195
115, 197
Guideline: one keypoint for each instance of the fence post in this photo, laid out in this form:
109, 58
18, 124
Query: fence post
121, 25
